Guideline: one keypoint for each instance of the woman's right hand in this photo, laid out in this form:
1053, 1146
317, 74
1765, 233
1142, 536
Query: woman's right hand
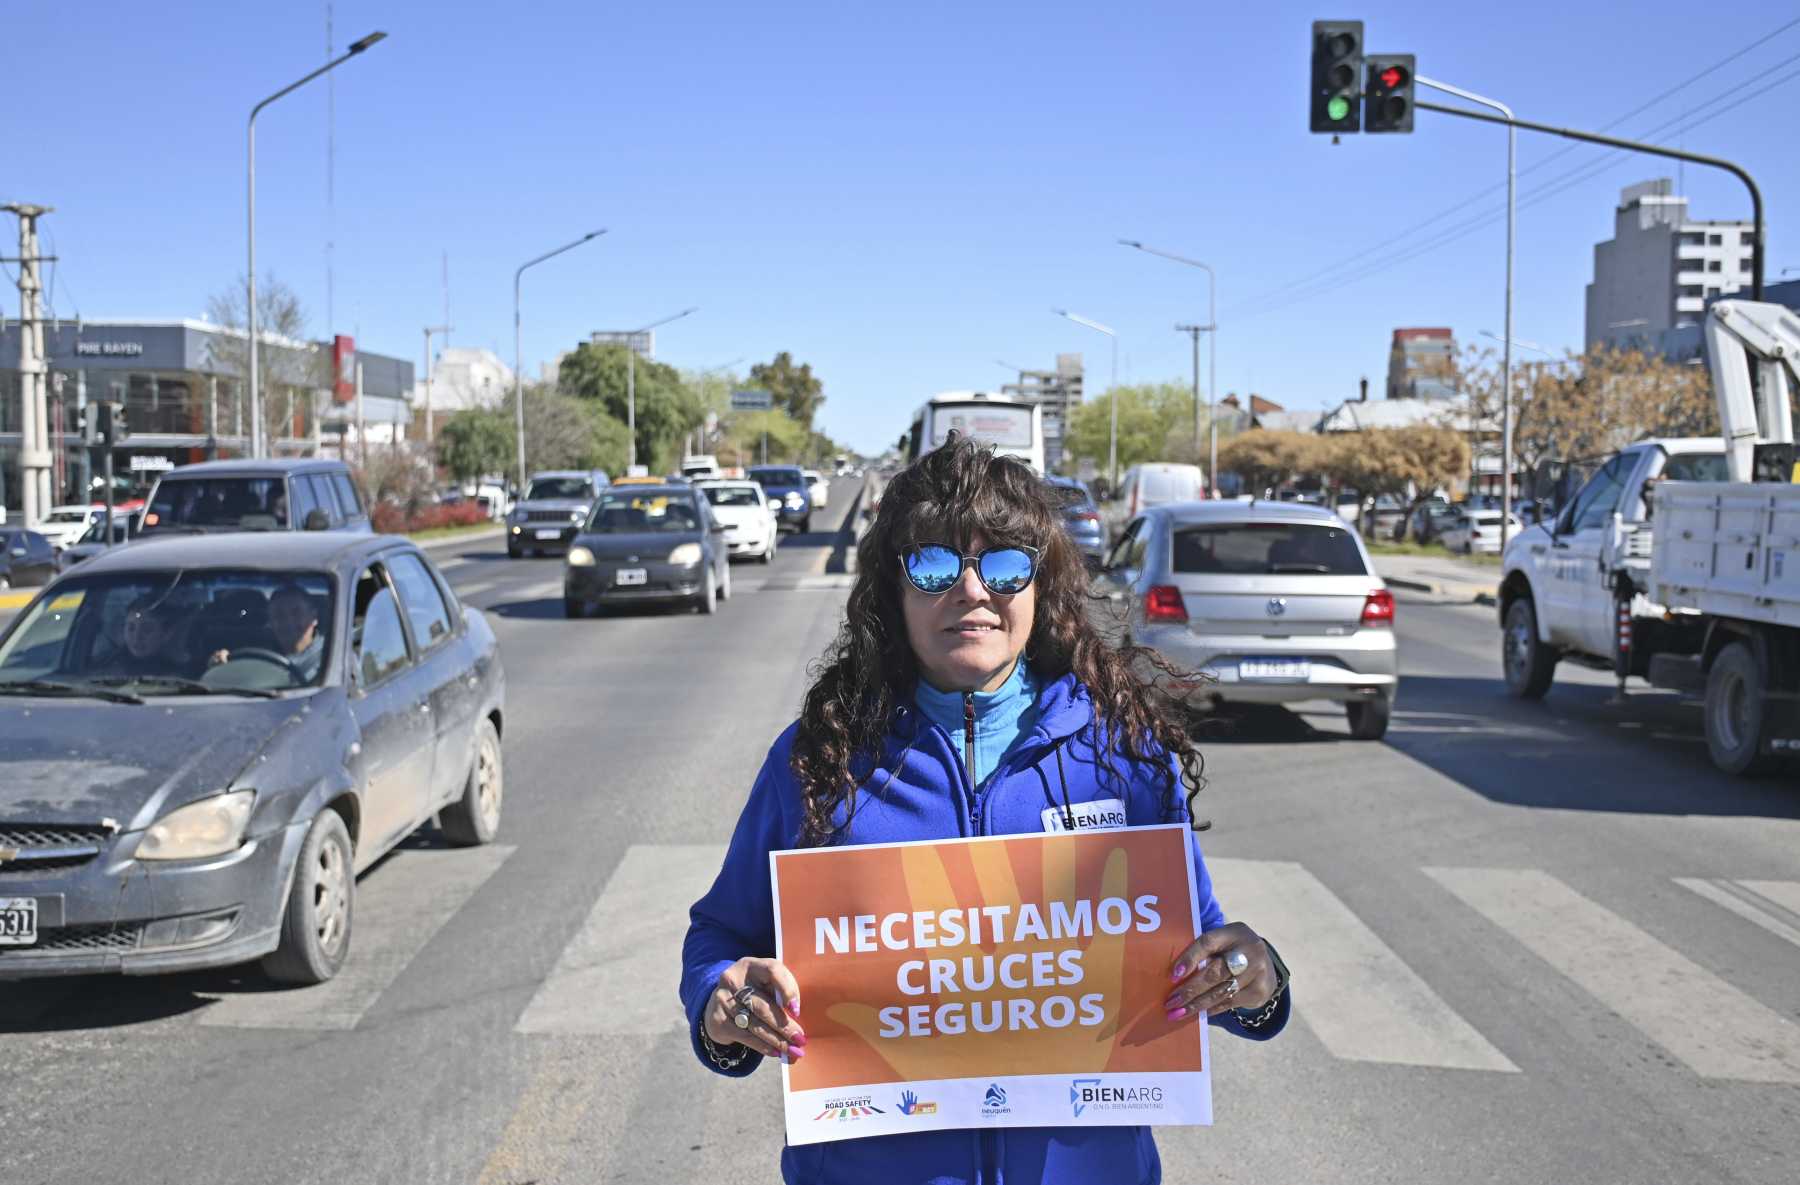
774, 1009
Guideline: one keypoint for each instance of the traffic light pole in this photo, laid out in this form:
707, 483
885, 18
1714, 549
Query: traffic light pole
1756, 202
1512, 177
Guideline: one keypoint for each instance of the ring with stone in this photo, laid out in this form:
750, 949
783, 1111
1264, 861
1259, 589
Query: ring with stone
1231, 989
1237, 962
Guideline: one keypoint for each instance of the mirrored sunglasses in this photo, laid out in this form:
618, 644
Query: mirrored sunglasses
1003, 571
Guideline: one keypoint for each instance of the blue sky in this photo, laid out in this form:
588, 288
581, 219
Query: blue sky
896, 194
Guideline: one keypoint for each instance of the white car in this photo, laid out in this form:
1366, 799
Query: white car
750, 524
1478, 531
817, 488
65, 525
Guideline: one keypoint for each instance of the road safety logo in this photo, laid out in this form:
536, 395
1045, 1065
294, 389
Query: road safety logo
849, 1108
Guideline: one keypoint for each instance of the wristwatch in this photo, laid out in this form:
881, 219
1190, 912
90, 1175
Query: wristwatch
1256, 1018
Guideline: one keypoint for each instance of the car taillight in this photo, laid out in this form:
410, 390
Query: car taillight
1378, 609
1086, 516
1164, 603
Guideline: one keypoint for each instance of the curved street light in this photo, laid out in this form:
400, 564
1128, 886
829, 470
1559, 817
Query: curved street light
518, 357
1112, 396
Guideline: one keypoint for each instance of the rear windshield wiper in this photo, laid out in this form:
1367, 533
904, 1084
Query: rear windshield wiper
184, 686
1289, 569
52, 687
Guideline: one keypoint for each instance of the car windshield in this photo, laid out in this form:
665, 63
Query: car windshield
1261, 549
96, 531
778, 477
548, 488
733, 496
1069, 497
236, 503
636, 513
1171, 485
175, 633
68, 516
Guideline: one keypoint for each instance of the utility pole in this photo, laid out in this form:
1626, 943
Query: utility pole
34, 419
429, 330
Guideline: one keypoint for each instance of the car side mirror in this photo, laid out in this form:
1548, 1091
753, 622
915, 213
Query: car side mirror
316, 520
774, 503
718, 528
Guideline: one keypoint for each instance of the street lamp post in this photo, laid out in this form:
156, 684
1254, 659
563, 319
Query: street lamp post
518, 353
257, 442
631, 381
1212, 360
1112, 398
1512, 173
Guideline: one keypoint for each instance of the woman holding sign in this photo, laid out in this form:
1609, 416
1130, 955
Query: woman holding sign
967, 695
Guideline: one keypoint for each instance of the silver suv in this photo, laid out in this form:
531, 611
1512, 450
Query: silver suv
1271, 602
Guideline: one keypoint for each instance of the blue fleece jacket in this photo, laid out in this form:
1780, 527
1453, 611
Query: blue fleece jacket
928, 783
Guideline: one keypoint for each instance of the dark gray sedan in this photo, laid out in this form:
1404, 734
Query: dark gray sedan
657, 544
208, 738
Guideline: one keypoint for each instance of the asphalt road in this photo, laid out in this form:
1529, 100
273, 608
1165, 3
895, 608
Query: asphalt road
1530, 942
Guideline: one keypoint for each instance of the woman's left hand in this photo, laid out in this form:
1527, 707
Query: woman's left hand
1204, 983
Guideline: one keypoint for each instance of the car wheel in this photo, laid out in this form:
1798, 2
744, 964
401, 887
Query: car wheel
1528, 663
768, 553
475, 817
725, 582
806, 525
315, 930
5, 583
708, 601
1368, 718
574, 608
1737, 711
513, 553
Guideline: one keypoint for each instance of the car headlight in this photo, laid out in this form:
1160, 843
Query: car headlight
210, 827
580, 557
576, 516
686, 553
794, 500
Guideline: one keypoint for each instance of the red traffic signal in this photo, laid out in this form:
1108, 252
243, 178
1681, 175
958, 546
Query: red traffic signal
1388, 95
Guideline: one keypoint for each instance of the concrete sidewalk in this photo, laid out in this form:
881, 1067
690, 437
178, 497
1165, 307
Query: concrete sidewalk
1443, 576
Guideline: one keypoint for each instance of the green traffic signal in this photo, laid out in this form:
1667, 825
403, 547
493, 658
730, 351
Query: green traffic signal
1337, 108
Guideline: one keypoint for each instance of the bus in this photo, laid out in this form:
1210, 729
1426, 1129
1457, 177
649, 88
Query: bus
1015, 427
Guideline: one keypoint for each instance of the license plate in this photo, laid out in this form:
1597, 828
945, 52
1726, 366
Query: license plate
552, 533
630, 576
18, 921
1274, 668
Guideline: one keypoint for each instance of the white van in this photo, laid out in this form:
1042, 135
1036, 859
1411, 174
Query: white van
1153, 483
700, 466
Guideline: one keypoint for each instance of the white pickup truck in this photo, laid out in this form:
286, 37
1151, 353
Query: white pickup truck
1672, 565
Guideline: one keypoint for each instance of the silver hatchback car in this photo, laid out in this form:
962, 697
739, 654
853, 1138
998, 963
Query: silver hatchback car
1268, 602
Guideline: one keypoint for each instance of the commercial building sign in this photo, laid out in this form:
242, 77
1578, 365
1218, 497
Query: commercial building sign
110, 349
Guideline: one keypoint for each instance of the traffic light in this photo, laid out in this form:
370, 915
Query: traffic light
1388, 101
1337, 61
112, 424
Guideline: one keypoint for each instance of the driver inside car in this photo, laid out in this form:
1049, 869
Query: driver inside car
294, 621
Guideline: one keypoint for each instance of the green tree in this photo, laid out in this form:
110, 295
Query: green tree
563, 432
797, 390
475, 442
1154, 421
666, 407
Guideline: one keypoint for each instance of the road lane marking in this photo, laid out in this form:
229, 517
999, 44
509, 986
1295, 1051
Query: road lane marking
1715, 1029
399, 907
1371, 1006
550, 1114
632, 938
1752, 901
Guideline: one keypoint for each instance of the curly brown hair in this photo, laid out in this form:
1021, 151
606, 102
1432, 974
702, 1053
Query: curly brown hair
948, 497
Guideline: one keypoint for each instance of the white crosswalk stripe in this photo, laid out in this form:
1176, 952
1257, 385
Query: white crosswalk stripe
1371, 1006
1651, 985
399, 907
632, 938
1773, 905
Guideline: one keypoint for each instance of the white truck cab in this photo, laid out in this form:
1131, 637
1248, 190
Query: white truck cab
1568, 571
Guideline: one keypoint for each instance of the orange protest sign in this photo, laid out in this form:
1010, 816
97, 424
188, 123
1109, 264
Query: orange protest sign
1018, 963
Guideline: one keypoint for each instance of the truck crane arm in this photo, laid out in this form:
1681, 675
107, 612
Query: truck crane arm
1737, 332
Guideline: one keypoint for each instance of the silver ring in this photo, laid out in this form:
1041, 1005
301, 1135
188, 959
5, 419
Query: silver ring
1237, 962
743, 996
741, 1018
1231, 989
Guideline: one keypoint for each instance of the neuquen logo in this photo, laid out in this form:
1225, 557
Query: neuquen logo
849, 1108
1090, 1094
994, 1102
